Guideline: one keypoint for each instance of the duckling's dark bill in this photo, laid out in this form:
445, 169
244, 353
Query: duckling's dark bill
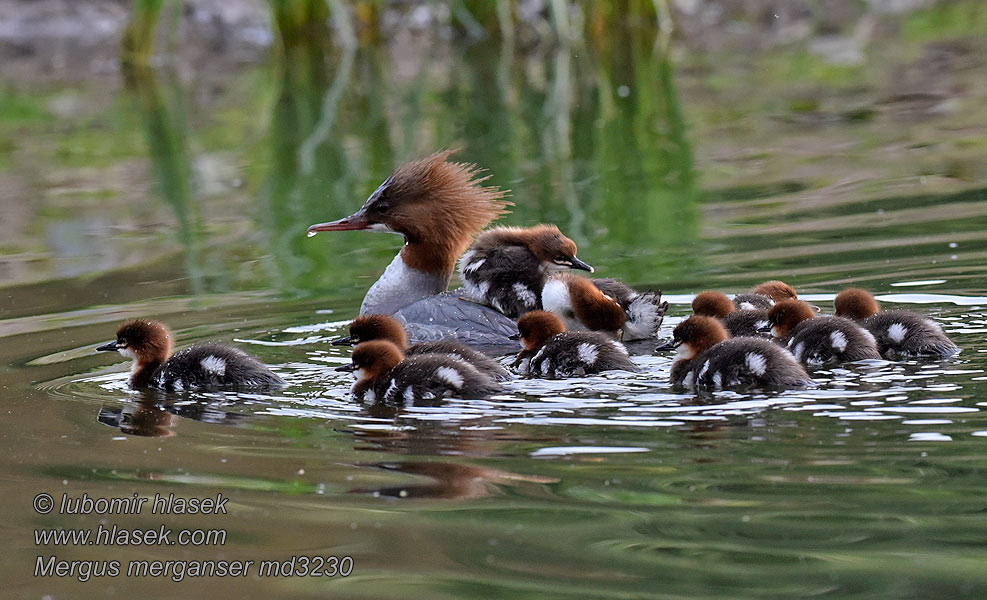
342, 341
346, 368
110, 347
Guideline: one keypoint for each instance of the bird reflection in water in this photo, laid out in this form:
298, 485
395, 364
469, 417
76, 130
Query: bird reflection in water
450, 481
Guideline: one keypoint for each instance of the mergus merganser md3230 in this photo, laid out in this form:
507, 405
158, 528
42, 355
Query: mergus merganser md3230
438, 207
548, 350
899, 333
816, 341
710, 359
506, 267
384, 375
203, 366
739, 322
367, 328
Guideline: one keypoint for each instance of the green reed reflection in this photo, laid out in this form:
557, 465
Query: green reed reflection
162, 113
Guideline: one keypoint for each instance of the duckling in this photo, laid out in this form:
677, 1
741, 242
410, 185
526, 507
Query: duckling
815, 341
899, 333
506, 267
739, 322
765, 295
709, 359
645, 310
384, 375
366, 328
549, 350
581, 305
584, 304
203, 366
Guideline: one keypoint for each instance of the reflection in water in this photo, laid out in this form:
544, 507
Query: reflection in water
166, 131
449, 481
143, 419
156, 414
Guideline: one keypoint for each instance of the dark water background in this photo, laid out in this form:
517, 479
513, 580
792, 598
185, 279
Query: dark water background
851, 156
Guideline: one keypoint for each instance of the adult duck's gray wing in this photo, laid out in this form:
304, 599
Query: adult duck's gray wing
447, 315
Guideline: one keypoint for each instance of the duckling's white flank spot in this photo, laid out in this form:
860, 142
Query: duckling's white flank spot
525, 294
391, 388
619, 347
897, 332
369, 396
747, 306
450, 376
703, 370
687, 380
588, 353
838, 339
799, 349
757, 363
214, 365
409, 394
718, 379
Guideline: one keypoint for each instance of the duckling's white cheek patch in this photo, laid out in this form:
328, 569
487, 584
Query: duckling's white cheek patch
360, 374
757, 363
214, 365
450, 376
776, 332
127, 352
838, 340
685, 352
587, 353
897, 332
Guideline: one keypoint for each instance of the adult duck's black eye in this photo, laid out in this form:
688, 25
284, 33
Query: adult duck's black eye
382, 207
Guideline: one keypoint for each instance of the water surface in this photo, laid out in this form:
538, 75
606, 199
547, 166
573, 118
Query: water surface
187, 199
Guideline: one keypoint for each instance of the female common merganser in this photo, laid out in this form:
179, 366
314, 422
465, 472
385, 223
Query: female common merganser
710, 359
765, 295
817, 341
367, 328
438, 207
203, 366
506, 267
899, 333
593, 304
739, 322
384, 375
553, 352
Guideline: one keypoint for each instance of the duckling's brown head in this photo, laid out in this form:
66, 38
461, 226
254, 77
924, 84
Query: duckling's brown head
551, 247
142, 340
712, 304
776, 290
537, 327
697, 334
437, 205
785, 315
594, 309
367, 328
373, 359
855, 303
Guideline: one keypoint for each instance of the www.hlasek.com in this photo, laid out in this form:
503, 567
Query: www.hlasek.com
175, 570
